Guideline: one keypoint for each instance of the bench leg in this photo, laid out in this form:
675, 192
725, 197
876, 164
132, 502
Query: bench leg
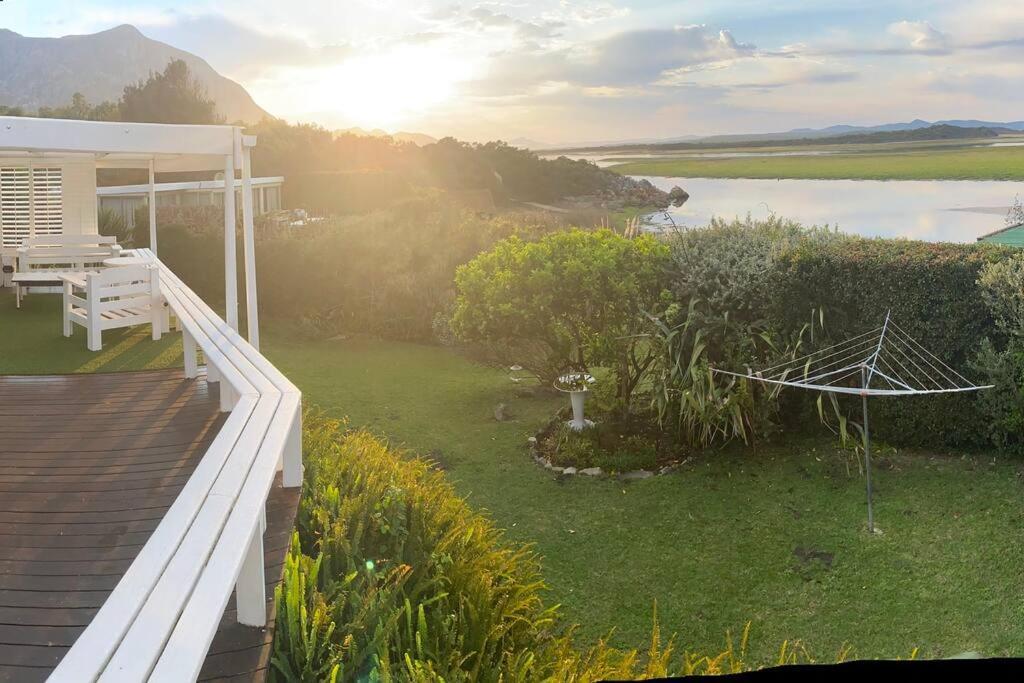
95, 335
250, 589
17, 295
188, 342
67, 309
291, 458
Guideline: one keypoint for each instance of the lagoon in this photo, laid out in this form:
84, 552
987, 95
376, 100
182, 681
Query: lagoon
932, 210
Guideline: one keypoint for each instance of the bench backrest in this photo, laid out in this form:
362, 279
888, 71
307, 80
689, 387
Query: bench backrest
69, 241
122, 287
75, 253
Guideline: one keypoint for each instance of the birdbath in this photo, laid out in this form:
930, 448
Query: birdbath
576, 384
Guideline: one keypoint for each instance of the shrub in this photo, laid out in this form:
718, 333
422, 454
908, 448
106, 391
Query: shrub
389, 273
1001, 358
570, 300
392, 576
344, 192
728, 266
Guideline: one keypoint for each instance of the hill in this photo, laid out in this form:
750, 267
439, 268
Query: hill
46, 72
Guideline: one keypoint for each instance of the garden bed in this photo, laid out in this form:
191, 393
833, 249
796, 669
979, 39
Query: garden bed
629, 450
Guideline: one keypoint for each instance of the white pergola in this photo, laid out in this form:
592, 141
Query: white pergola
158, 148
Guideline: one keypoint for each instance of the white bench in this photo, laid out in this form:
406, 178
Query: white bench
113, 298
158, 623
43, 260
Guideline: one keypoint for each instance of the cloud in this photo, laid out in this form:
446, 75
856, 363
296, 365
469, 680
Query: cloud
482, 18
240, 51
628, 58
922, 36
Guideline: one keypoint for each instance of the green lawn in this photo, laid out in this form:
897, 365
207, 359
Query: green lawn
732, 537
993, 163
31, 342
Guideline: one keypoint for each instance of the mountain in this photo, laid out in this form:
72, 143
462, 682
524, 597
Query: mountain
418, 139
841, 130
46, 72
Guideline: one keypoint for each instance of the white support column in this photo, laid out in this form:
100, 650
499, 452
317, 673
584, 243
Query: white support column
31, 200
249, 243
250, 589
191, 357
152, 206
230, 257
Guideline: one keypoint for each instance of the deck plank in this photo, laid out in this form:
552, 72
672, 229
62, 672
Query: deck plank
88, 466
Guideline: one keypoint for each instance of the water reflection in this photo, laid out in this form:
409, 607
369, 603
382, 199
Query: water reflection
934, 210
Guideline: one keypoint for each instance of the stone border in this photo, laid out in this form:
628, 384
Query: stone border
632, 475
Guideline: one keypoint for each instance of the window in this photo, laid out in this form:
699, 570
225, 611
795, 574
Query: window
46, 212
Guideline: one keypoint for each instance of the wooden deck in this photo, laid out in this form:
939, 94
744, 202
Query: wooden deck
88, 466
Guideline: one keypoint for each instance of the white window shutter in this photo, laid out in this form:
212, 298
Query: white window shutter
15, 213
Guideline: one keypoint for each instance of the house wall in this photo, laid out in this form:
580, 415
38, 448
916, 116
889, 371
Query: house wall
80, 207
78, 181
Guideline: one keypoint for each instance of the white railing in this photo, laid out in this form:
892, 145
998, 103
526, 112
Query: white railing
159, 621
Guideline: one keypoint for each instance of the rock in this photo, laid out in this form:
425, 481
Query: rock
437, 460
569, 470
501, 412
636, 474
678, 196
592, 471
532, 440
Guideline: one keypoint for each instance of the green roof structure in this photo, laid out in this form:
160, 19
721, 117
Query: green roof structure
1011, 236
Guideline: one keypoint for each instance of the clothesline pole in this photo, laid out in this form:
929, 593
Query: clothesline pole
867, 445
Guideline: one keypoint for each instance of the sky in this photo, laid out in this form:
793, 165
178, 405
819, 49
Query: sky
562, 71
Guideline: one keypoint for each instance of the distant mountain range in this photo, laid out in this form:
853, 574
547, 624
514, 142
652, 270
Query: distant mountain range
46, 72
799, 134
842, 129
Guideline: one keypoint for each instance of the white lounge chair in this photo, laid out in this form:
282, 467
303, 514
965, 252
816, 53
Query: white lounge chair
114, 297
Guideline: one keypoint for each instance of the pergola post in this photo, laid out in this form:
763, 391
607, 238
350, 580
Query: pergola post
152, 205
249, 242
230, 255
31, 200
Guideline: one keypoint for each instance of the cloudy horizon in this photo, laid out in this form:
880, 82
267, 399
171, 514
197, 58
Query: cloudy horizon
572, 72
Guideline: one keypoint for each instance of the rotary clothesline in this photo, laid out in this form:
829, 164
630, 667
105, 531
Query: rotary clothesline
897, 365
885, 361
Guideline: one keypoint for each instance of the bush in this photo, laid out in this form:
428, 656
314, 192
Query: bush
344, 192
568, 301
392, 576
1001, 358
932, 292
729, 266
389, 273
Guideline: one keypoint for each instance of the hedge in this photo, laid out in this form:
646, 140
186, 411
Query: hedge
932, 292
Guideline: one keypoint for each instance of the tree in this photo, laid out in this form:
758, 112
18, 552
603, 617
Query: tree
173, 96
570, 300
81, 110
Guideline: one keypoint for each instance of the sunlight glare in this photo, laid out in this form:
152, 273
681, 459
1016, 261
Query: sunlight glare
384, 90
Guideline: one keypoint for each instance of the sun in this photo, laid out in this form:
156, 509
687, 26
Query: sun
380, 90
